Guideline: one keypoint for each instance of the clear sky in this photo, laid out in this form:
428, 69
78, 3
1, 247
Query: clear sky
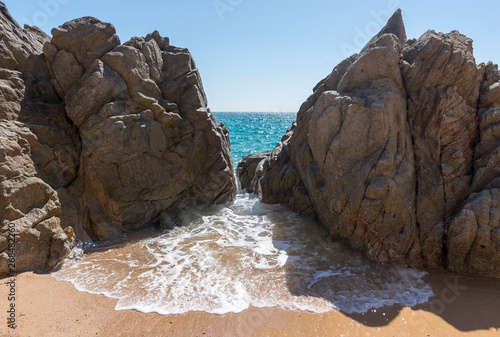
267, 55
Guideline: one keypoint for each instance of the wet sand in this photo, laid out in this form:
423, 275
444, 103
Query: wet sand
45, 307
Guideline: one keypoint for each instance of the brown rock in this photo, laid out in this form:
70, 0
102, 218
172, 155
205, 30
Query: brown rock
357, 164
277, 176
245, 172
86, 38
28, 206
27, 95
442, 85
143, 150
392, 153
66, 69
473, 241
45, 153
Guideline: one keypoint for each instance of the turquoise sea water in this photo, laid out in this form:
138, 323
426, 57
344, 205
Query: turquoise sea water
252, 132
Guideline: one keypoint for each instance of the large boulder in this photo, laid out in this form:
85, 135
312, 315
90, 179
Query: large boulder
442, 85
149, 141
109, 137
397, 152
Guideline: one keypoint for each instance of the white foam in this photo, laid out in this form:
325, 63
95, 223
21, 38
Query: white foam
229, 258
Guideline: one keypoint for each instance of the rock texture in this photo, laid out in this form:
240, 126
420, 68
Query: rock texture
38, 153
247, 167
111, 136
397, 152
149, 142
29, 205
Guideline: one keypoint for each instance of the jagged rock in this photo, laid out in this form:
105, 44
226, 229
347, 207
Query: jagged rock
28, 206
86, 39
277, 181
473, 240
389, 148
57, 151
144, 149
27, 95
487, 151
39, 152
66, 69
245, 171
474, 234
116, 136
20, 48
357, 160
442, 86
277, 176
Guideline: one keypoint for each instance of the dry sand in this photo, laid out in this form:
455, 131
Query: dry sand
45, 307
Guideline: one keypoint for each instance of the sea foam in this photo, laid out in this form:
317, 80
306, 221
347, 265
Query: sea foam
246, 254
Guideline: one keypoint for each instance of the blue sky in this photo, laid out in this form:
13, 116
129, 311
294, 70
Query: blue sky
258, 55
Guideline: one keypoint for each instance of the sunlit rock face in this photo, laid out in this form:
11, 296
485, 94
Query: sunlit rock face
149, 142
397, 152
98, 137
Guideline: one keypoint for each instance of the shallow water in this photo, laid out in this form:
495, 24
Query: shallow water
248, 253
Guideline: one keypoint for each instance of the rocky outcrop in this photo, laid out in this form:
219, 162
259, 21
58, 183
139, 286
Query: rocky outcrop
149, 142
473, 236
247, 167
38, 154
396, 152
442, 83
30, 235
119, 134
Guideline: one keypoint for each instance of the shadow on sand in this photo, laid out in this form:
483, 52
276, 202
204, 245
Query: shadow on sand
363, 290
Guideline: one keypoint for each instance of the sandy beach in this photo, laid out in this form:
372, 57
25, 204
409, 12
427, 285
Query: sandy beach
45, 307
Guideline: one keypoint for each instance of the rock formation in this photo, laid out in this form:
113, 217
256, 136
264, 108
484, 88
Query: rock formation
28, 205
397, 151
38, 153
149, 142
247, 167
100, 137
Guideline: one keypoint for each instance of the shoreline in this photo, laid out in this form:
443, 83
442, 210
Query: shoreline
461, 305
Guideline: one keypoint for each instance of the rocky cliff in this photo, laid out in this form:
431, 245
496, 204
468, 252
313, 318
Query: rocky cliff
397, 151
99, 138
